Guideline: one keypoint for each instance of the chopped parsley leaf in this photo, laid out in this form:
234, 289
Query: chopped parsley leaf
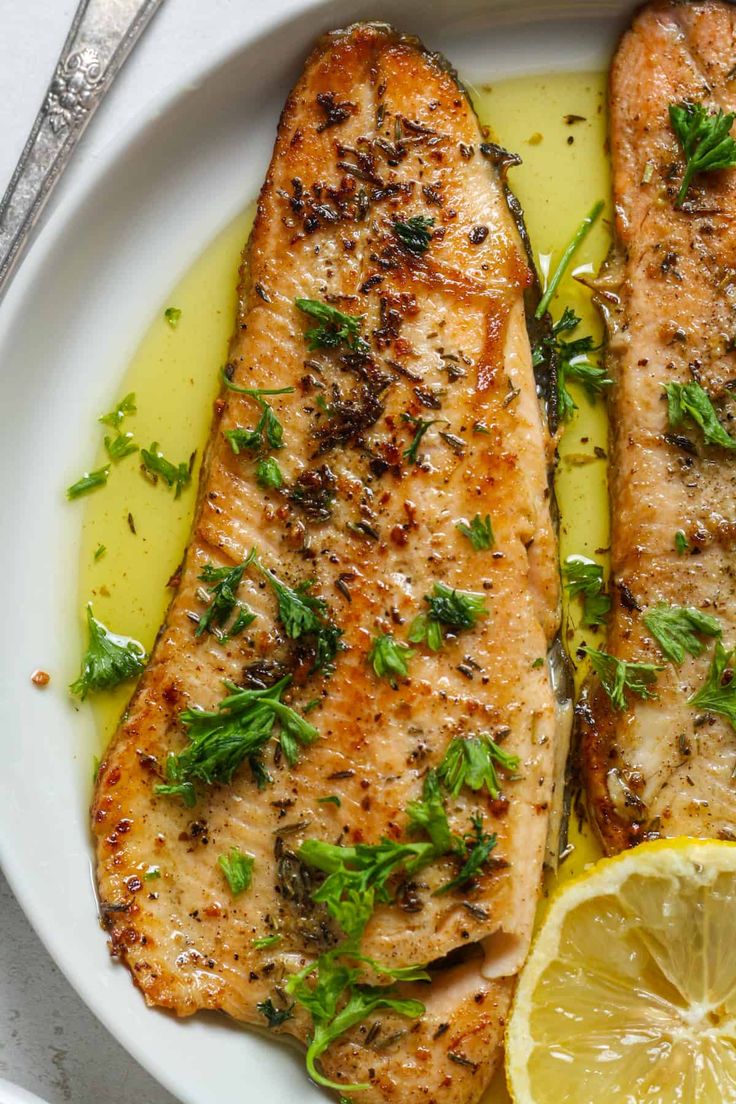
617, 676
429, 815
151, 874
238, 729
331, 799
223, 599
691, 400
335, 328
303, 614
125, 407
572, 362
478, 848
471, 761
109, 659
457, 609
415, 233
89, 482
389, 657
675, 628
268, 473
421, 425
172, 316
718, 694
266, 941
681, 545
119, 447
706, 141
584, 578
155, 464
238, 870
479, 532
274, 1016
100, 551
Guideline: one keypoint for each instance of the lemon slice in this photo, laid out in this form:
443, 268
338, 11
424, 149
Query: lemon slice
629, 994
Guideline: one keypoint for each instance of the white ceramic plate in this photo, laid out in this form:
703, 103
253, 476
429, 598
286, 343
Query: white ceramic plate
155, 197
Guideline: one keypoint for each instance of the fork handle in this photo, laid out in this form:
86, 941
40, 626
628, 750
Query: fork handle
101, 36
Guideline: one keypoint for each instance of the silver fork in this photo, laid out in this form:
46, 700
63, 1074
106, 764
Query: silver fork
100, 39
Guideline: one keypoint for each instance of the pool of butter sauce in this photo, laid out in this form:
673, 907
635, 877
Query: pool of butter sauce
556, 123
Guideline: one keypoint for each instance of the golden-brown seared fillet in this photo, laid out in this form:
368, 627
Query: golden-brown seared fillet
376, 130
661, 767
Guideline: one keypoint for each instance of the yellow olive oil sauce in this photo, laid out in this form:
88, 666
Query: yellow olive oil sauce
557, 124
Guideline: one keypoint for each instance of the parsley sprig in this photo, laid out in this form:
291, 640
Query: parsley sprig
222, 599
335, 327
691, 400
584, 578
478, 531
238, 729
304, 614
718, 694
472, 761
268, 432
676, 629
109, 659
389, 657
450, 608
617, 676
706, 141
414, 233
421, 425
238, 870
573, 363
155, 464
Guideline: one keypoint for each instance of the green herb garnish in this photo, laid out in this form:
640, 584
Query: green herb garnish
337, 1002
119, 447
172, 316
223, 599
573, 363
478, 847
429, 815
303, 614
268, 473
151, 874
718, 695
266, 941
238, 870
617, 676
675, 629
125, 407
415, 233
690, 400
479, 532
110, 659
174, 475
389, 657
471, 761
706, 141
681, 545
89, 482
584, 578
274, 1016
331, 799
221, 739
99, 552
335, 328
421, 425
575, 242
456, 609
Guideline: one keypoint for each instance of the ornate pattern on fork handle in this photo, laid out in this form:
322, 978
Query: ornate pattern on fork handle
101, 36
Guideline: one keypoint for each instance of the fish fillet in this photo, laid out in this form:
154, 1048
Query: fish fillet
375, 131
662, 767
